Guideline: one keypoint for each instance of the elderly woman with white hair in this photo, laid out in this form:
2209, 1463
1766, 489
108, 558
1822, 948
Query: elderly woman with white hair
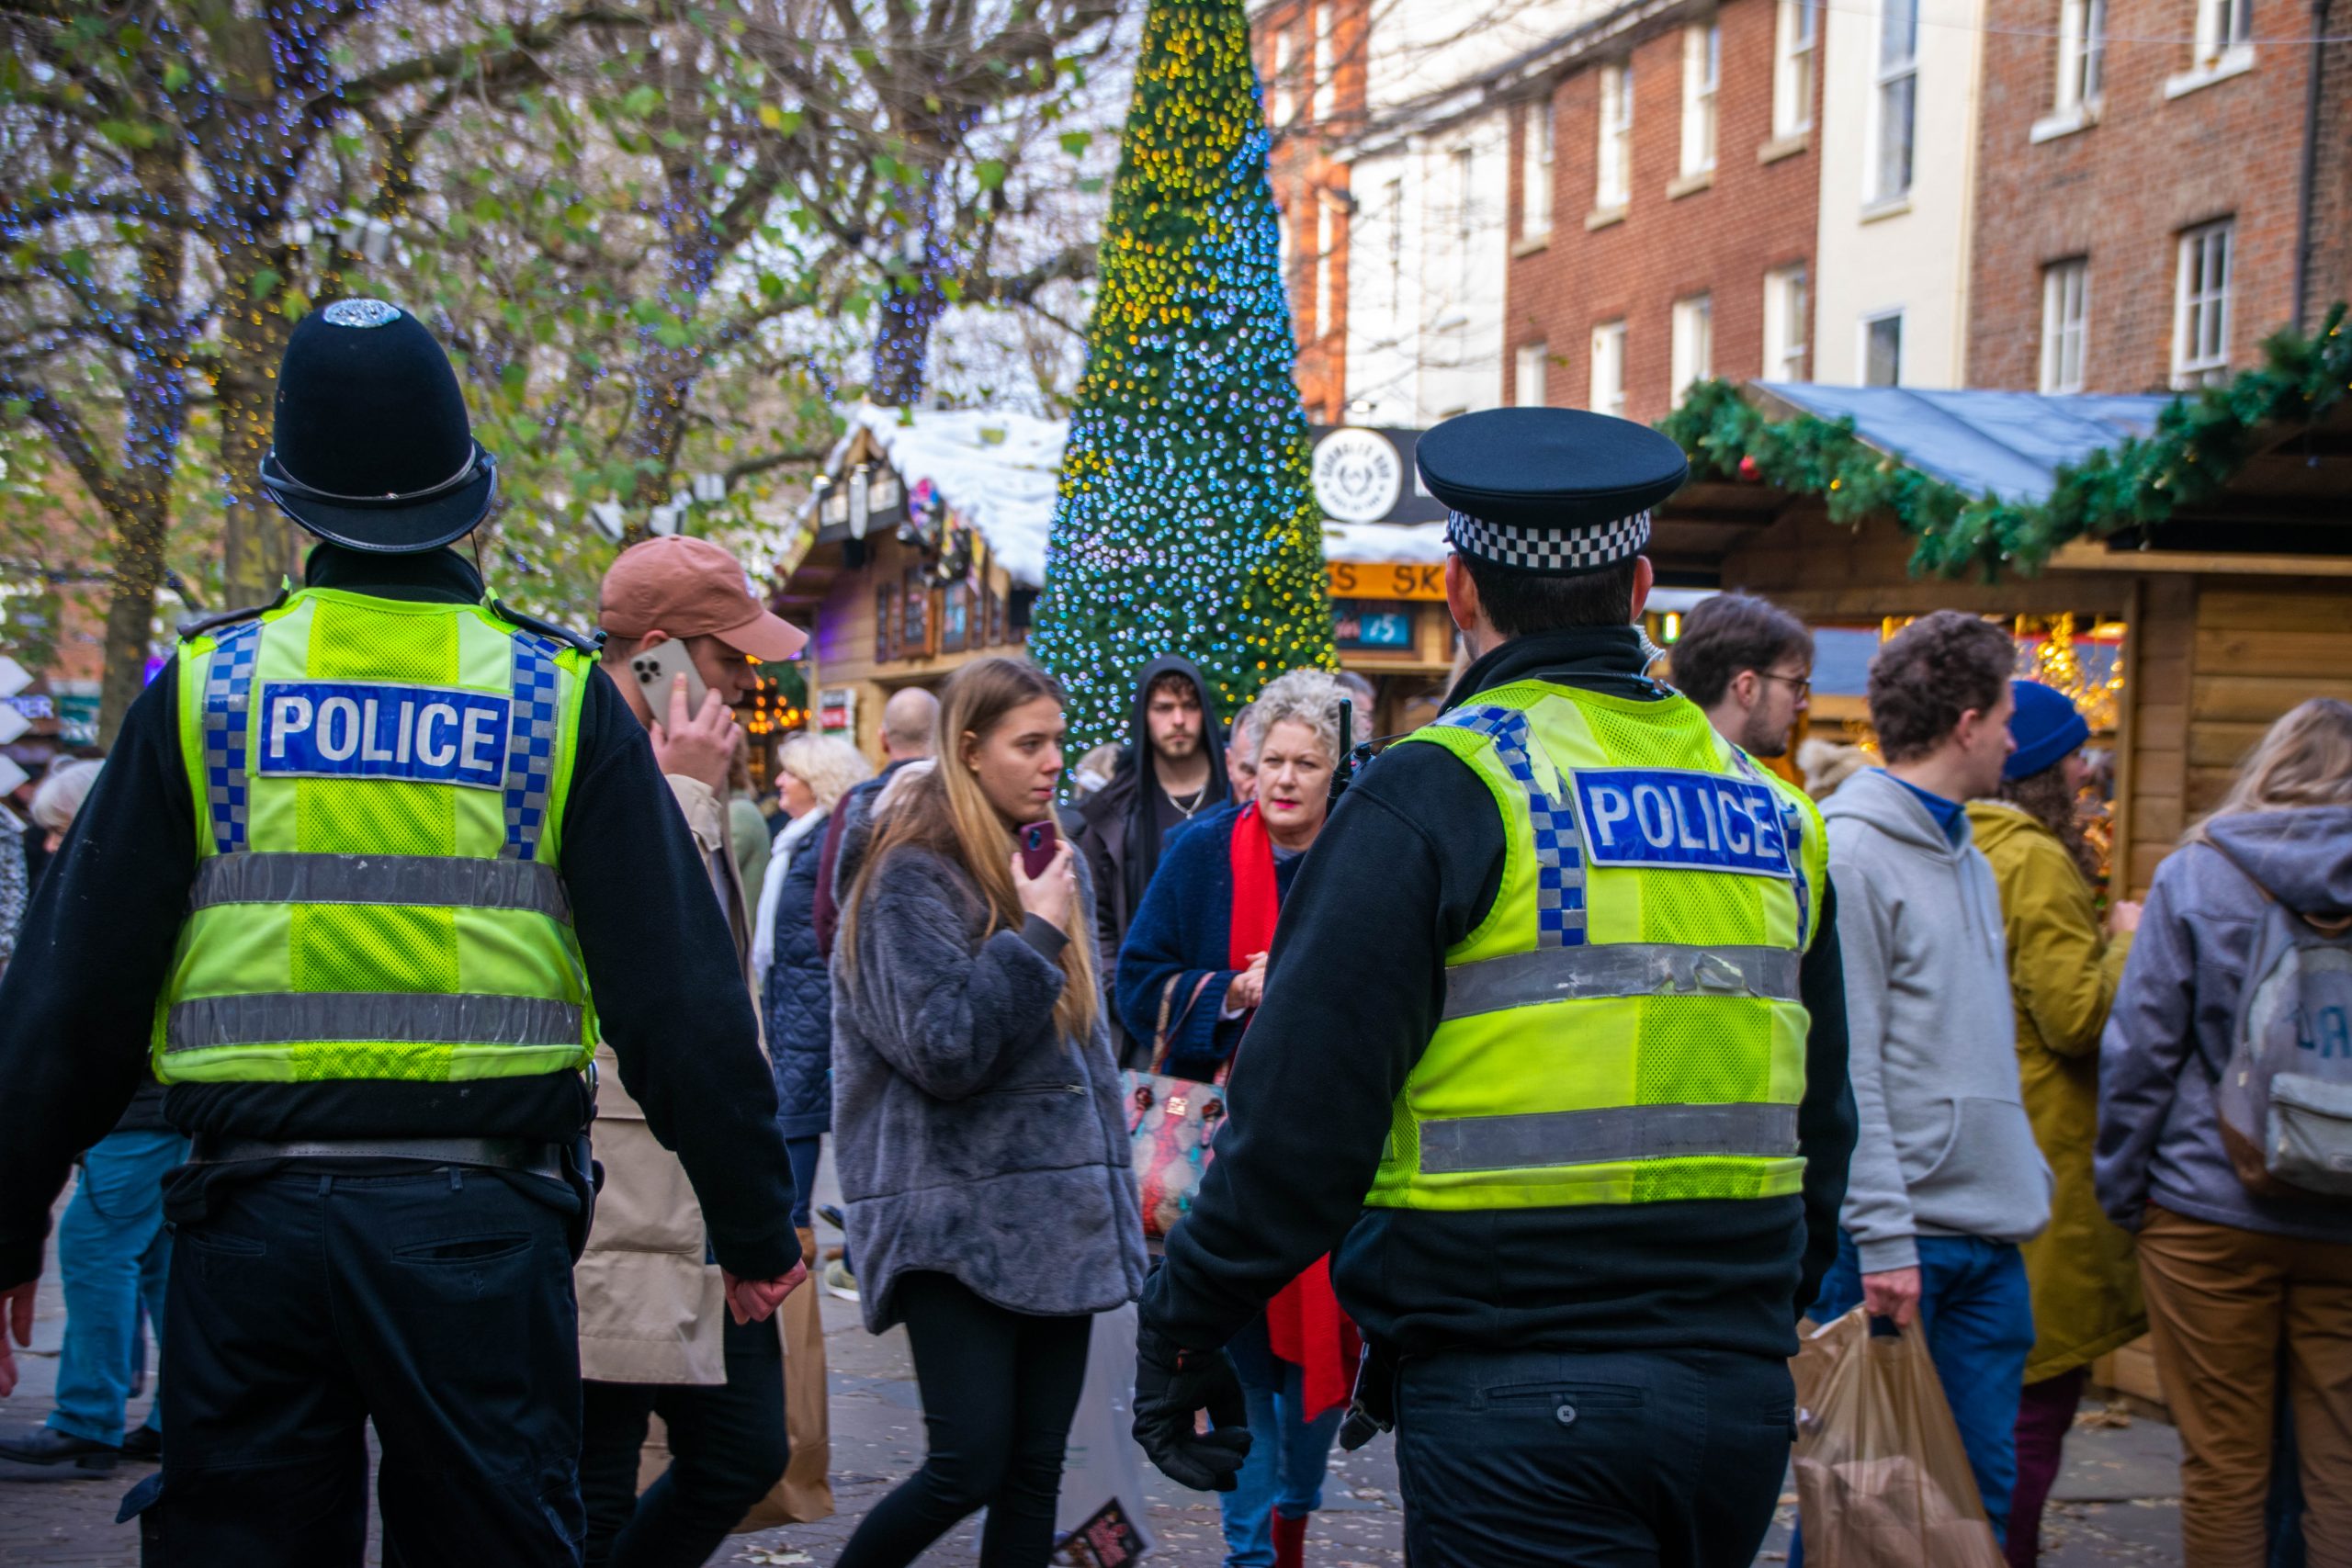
1190, 973
793, 972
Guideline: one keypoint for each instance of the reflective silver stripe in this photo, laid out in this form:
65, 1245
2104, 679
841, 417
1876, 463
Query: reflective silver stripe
1620, 969
288, 1018
1617, 1134
434, 881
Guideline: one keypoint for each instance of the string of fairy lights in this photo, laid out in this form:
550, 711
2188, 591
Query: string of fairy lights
1186, 522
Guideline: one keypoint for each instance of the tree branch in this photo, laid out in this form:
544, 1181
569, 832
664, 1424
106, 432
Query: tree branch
443, 64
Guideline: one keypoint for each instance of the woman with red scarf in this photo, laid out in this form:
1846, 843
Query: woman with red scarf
1200, 941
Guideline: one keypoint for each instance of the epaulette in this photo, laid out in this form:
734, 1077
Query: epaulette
192, 629
592, 644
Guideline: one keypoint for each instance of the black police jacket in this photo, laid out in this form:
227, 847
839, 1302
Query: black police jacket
1409, 864
77, 1004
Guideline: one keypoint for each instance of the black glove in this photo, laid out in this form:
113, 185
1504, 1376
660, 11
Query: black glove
1173, 1387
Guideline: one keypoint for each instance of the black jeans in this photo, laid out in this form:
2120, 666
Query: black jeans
304, 1304
726, 1448
1000, 1389
1604, 1459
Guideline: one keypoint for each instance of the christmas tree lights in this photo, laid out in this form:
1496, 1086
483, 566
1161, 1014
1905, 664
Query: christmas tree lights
1186, 524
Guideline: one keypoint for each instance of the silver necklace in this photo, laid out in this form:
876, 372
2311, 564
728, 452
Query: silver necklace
1200, 797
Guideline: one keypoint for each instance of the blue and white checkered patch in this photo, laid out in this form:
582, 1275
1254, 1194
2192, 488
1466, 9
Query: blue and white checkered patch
1559, 846
530, 750
228, 699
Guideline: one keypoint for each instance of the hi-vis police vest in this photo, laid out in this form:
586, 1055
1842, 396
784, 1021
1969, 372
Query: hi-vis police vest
379, 790
1623, 1026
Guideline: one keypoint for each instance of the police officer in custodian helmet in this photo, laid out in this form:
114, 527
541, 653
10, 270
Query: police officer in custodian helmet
369, 874
1560, 982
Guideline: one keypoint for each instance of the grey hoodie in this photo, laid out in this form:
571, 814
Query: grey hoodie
2176, 1013
1945, 1148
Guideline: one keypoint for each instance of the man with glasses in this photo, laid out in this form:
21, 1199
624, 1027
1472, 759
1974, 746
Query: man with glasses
1750, 664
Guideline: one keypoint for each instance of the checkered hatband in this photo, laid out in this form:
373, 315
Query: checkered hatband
1559, 843
228, 699
530, 745
1559, 552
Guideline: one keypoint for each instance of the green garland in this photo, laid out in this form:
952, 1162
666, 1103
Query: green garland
2200, 443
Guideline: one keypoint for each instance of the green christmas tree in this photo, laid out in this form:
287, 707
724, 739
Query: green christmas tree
1186, 522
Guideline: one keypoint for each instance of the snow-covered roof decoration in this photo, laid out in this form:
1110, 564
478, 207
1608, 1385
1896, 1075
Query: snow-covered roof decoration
998, 472
1379, 544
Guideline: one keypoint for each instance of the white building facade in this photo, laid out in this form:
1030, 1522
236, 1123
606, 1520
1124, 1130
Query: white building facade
1898, 192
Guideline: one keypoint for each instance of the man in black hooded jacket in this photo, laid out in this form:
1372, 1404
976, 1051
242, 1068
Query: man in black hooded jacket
1173, 771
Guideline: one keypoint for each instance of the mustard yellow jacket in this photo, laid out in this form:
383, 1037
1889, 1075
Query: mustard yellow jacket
2062, 974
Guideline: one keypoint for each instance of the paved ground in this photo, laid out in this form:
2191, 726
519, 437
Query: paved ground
2118, 1499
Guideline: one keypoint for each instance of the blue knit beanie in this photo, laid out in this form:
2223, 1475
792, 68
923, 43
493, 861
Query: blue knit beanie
2047, 728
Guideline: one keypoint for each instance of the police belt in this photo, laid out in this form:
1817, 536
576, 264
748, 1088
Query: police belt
500, 1154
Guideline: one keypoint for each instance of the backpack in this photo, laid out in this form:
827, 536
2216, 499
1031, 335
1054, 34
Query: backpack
2285, 1098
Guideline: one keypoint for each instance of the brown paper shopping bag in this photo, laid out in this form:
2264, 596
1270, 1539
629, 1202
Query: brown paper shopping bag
1883, 1481
806, 1494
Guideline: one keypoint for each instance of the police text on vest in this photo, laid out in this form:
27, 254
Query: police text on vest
1673, 816
344, 729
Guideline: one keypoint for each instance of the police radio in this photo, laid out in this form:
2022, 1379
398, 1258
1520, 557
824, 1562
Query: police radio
1351, 756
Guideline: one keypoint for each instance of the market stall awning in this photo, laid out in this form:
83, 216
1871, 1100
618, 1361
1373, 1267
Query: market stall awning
2003, 446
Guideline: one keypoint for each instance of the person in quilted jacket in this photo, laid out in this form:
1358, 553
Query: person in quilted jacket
792, 968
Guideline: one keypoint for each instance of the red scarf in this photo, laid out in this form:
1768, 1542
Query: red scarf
1303, 1321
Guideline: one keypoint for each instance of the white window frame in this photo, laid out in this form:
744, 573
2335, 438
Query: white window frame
1702, 75
1608, 391
2205, 261
2221, 26
1785, 329
1394, 203
1324, 245
1535, 155
1796, 45
1285, 103
1323, 86
1895, 78
1614, 182
1692, 351
1862, 360
1463, 161
2082, 54
2065, 324
1528, 376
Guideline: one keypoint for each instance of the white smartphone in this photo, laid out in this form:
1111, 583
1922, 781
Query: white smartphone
657, 668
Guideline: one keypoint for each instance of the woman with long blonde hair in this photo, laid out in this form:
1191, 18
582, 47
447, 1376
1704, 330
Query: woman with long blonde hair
2239, 1283
977, 1124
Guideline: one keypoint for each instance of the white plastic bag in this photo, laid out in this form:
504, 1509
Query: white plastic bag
1100, 1521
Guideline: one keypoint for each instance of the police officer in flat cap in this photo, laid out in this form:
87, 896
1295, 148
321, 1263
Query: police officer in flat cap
369, 874
1560, 982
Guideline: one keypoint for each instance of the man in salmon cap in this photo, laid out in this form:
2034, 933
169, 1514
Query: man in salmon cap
655, 1334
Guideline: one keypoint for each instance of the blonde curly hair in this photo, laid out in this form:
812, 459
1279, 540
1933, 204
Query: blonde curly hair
828, 764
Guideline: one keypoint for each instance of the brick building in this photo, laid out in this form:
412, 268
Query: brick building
1664, 197
1311, 56
2142, 190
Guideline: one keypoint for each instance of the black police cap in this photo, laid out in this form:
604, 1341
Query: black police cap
1554, 491
372, 448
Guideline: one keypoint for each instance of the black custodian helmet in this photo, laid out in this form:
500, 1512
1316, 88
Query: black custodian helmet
372, 448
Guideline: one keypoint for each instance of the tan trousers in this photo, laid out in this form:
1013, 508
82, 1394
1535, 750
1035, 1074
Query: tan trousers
2221, 1303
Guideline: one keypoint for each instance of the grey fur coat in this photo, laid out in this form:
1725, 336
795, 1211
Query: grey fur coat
973, 1140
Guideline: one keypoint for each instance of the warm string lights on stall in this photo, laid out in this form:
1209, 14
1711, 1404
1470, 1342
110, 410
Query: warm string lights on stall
1186, 524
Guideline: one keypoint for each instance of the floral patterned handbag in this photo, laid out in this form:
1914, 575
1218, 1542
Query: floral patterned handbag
1171, 1124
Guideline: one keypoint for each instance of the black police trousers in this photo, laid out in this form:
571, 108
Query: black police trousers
435, 1303
1629, 1458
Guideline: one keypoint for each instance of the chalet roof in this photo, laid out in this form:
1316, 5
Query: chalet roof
997, 470
2004, 446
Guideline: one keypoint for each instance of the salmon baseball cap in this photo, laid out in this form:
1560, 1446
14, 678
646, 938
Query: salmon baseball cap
691, 588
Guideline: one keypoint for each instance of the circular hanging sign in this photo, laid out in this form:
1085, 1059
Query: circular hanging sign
1358, 476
